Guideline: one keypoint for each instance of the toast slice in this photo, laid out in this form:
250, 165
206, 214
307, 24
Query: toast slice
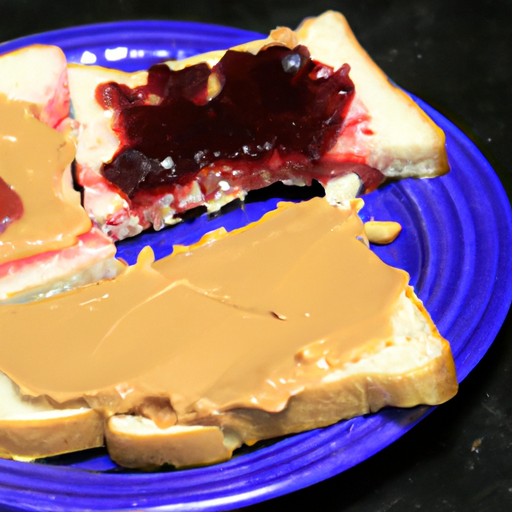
383, 135
34, 258
50, 94
287, 341
413, 366
31, 428
398, 138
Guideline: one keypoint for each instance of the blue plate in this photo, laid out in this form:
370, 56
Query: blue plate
456, 245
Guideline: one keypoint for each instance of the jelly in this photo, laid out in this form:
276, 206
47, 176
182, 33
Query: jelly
275, 112
11, 206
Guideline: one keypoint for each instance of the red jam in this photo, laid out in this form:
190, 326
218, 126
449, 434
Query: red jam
11, 206
277, 111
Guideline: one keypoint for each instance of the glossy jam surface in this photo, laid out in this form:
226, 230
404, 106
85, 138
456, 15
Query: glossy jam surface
277, 111
11, 206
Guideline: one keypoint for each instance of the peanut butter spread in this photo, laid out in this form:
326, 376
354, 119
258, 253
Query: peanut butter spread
33, 161
240, 320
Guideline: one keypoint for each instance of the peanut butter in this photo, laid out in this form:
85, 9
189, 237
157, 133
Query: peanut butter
247, 319
34, 163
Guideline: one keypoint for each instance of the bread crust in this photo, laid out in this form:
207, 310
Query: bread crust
346, 398
179, 446
36, 436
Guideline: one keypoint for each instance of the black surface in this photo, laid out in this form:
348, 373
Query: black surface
456, 55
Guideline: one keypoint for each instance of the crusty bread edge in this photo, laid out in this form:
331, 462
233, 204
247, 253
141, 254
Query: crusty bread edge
181, 446
34, 437
330, 39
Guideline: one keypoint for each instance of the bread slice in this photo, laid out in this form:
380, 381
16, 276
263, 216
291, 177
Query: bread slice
204, 388
384, 133
413, 366
137, 442
31, 428
49, 93
401, 140
90, 256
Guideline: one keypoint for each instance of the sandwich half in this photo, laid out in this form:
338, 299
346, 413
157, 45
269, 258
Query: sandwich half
289, 324
298, 106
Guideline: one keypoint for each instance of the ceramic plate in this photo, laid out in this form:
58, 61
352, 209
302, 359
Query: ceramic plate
456, 244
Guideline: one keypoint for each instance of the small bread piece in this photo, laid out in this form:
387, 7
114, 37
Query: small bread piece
382, 232
137, 442
49, 93
97, 144
383, 130
90, 260
31, 428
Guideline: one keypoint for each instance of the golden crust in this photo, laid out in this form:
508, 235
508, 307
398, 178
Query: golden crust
180, 446
314, 408
38, 436
346, 398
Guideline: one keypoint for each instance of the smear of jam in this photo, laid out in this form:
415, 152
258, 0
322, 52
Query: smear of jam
11, 206
277, 111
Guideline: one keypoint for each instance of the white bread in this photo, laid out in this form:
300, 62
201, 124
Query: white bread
137, 442
405, 142
32, 428
92, 257
49, 93
411, 365
414, 367
91, 260
391, 132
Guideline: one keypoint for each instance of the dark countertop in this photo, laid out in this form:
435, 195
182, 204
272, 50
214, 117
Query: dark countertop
456, 55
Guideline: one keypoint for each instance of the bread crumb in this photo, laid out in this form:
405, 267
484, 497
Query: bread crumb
380, 232
476, 444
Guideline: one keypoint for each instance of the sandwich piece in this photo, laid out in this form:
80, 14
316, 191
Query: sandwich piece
47, 241
31, 428
294, 107
138, 442
245, 336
